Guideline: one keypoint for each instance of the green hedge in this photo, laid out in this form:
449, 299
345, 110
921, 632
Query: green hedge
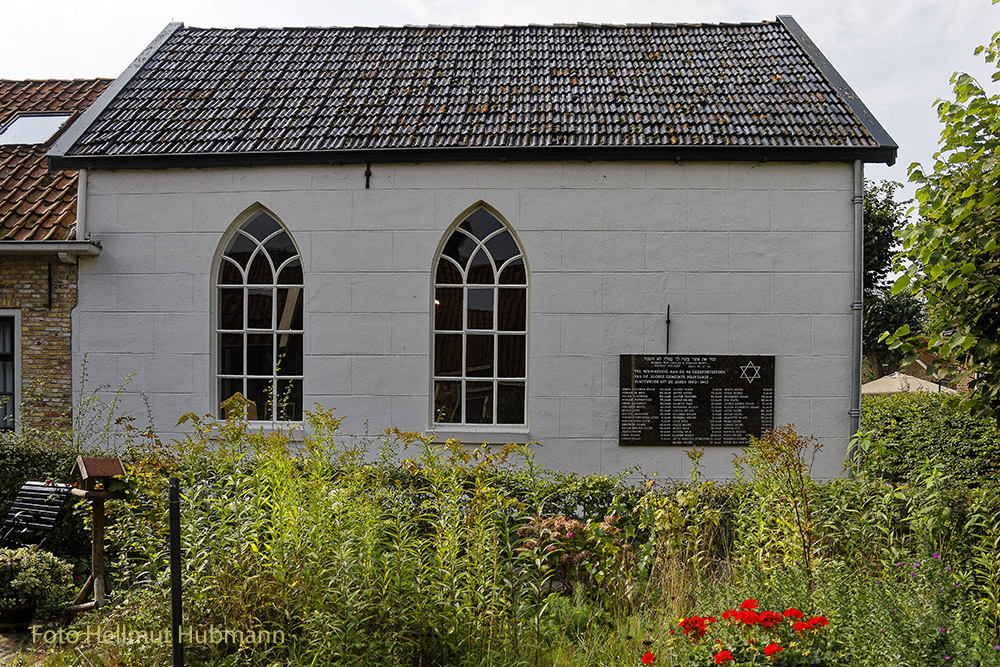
912, 430
36, 456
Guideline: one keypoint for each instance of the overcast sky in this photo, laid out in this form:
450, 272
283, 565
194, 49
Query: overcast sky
898, 55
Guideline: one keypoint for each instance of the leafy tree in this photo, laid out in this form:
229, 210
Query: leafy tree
885, 311
952, 250
884, 216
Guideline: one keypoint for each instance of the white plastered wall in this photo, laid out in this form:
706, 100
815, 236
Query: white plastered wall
752, 259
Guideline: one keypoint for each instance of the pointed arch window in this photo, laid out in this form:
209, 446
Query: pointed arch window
480, 325
259, 327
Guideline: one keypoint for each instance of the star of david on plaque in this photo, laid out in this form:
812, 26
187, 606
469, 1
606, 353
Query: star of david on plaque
750, 373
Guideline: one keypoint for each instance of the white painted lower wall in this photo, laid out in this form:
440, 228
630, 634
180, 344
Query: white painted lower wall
751, 258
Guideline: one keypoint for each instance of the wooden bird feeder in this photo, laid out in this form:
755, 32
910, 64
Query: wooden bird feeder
94, 474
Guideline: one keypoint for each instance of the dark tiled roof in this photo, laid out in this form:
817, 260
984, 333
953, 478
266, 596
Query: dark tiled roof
36, 205
242, 91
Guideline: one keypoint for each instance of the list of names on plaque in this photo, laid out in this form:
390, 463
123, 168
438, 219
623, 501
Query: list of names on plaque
690, 400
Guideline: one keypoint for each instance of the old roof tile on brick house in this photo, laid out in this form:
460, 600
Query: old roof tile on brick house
211, 96
36, 205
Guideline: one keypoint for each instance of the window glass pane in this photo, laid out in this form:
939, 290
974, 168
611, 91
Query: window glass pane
231, 309
480, 269
511, 357
7, 413
513, 273
291, 273
290, 354
260, 354
479, 356
280, 248
289, 308
260, 226
479, 403
231, 354
447, 273
502, 247
7, 335
229, 274
32, 128
447, 355
7, 377
260, 393
228, 387
289, 400
448, 402
240, 249
511, 309
460, 248
510, 403
260, 271
259, 304
480, 309
448, 308
480, 224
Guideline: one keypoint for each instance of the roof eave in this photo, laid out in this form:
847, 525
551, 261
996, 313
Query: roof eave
658, 153
50, 248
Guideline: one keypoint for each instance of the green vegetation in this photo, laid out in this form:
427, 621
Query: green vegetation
883, 310
399, 550
951, 253
909, 434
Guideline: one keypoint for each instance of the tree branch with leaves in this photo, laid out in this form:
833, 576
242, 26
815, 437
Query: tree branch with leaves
951, 254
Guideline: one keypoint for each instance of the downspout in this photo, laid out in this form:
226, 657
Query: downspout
81, 206
857, 302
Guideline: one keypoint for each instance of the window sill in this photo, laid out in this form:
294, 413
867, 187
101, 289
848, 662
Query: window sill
478, 435
296, 431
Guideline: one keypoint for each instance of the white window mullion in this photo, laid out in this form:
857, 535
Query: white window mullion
243, 255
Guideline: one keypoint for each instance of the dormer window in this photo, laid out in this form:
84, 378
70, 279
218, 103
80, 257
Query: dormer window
32, 128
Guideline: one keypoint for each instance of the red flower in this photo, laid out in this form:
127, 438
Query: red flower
732, 613
769, 618
749, 616
695, 625
723, 656
800, 626
648, 658
818, 621
749, 604
792, 612
771, 649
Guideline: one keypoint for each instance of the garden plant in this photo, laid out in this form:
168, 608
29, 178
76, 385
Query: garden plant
398, 549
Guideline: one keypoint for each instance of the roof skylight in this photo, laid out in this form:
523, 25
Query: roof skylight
32, 128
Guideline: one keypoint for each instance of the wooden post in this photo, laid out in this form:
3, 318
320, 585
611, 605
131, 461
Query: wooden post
95, 473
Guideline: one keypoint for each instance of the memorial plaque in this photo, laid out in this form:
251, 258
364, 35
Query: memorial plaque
689, 400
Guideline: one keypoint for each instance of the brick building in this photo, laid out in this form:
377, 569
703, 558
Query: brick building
38, 251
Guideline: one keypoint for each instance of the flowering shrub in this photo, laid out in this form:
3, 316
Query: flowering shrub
747, 636
32, 575
577, 551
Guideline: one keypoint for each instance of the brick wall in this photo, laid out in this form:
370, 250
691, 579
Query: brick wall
45, 304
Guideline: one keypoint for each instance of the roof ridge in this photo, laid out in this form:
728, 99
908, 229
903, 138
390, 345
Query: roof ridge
478, 26
77, 80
